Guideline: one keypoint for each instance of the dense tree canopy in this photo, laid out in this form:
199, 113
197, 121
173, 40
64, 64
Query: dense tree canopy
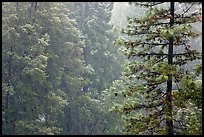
30, 104
63, 72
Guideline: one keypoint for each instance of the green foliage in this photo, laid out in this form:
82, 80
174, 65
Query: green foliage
34, 67
146, 41
55, 66
103, 65
59, 60
98, 38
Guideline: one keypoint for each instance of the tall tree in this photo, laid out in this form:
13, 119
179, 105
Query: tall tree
151, 39
101, 58
24, 60
93, 21
42, 67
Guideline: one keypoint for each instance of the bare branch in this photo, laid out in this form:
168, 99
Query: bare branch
185, 11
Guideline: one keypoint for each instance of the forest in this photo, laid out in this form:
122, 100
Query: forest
101, 68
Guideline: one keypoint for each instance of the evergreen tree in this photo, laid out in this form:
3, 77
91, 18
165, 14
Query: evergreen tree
24, 59
155, 65
100, 55
93, 20
42, 69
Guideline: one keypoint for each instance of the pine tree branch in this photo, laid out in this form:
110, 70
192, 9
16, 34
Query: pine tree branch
162, 54
133, 44
184, 22
140, 33
156, 44
149, 5
194, 17
177, 44
156, 24
186, 53
144, 54
184, 17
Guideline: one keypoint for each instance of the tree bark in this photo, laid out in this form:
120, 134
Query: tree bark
169, 120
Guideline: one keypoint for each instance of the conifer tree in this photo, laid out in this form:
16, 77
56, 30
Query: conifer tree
92, 18
24, 86
158, 84
42, 69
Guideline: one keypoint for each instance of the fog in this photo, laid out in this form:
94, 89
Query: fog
65, 73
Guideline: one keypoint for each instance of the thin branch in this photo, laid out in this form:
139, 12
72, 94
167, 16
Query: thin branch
176, 44
153, 43
185, 11
141, 33
181, 54
161, 59
146, 43
156, 24
182, 22
185, 17
161, 54
153, 4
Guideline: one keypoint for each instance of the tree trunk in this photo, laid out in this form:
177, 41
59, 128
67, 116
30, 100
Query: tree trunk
169, 120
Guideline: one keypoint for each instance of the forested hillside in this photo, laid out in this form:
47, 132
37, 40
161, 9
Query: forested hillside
101, 68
